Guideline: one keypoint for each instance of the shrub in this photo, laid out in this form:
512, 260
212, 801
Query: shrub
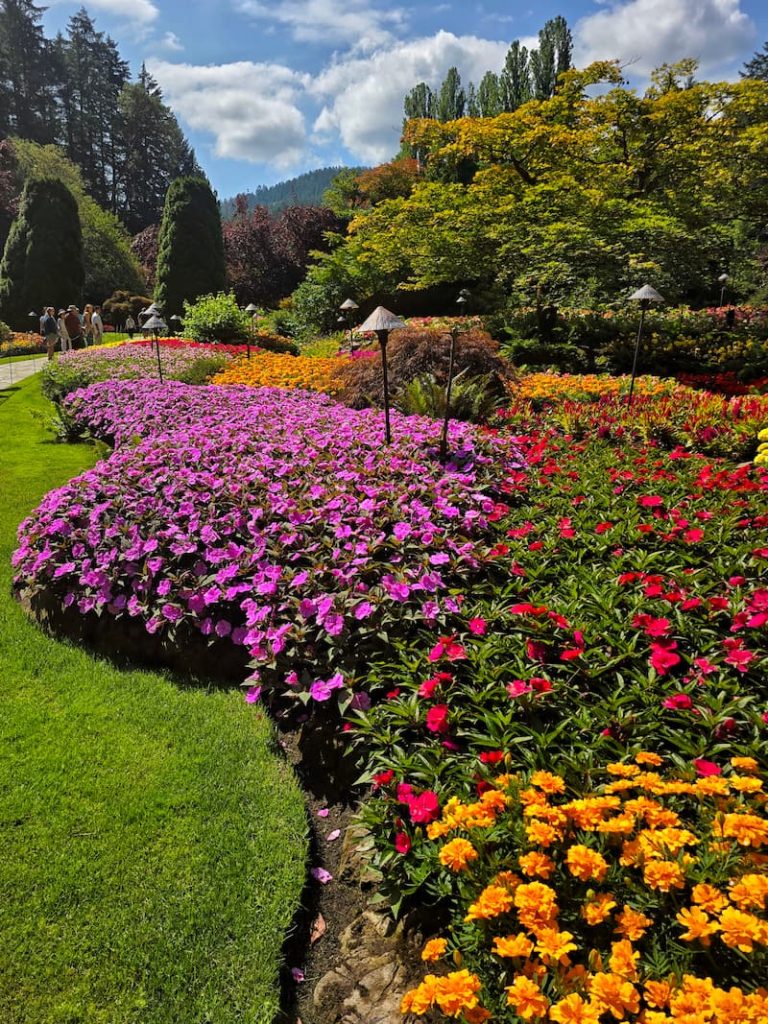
216, 318
121, 304
472, 398
411, 354
274, 343
190, 259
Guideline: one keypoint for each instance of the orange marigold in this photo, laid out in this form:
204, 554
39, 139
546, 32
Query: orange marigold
698, 926
614, 995
596, 910
457, 992
585, 864
547, 782
512, 945
631, 924
741, 931
457, 854
750, 892
664, 875
708, 898
527, 998
623, 960
492, 901
536, 864
574, 1010
434, 950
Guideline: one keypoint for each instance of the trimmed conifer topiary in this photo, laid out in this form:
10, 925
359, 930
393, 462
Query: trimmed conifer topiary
190, 259
43, 260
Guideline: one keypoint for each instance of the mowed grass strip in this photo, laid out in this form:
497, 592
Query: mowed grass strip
152, 845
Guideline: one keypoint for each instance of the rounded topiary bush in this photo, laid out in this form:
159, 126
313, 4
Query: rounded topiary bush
417, 353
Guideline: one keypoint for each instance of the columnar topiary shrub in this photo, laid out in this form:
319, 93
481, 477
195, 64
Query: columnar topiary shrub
190, 260
43, 259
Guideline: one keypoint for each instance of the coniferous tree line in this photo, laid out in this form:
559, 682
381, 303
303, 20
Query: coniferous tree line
76, 91
526, 75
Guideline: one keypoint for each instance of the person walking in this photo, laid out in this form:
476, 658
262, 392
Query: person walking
74, 328
130, 326
98, 326
66, 344
88, 324
49, 330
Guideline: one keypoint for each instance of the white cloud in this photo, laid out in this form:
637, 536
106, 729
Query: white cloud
171, 41
363, 98
357, 23
141, 12
654, 32
249, 108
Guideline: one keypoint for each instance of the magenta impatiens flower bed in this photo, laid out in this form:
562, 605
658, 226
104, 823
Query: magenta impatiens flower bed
278, 521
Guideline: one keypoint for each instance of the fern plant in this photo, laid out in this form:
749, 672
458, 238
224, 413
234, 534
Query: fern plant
473, 399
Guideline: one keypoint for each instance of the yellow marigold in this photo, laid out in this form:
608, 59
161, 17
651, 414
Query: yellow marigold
621, 825
438, 829
574, 1010
712, 785
614, 995
741, 931
457, 992
698, 926
622, 771
745, 784
620, 786
457, 854
513, 945
508, 879
540, 833
746, 829
632, 924
598, 909
745, 764
585, 864
664, 875
623, 959
547, 782
536, 864
708, 898
646, 757
421, 998
536, 906
671, 840
554, 946
657, 994
750, 892
434, 950
589, 812
527, 999
492, 901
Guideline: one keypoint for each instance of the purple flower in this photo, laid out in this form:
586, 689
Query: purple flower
321, 875
322, 689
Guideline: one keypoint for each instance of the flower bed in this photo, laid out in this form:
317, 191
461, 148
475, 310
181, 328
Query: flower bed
273, 369
279, 521
22, 345
661, 411
196, 346
190, 363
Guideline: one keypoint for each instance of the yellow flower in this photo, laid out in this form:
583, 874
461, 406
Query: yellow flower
457, 992
708, 898
632, 924
624, 959
536, 864
512, 945
527, 999
645, 757
457, 854
547, 782
614, 995
743, 784
622, 771
574, 1010
657, 994
746, 829
697, 925
492, 901
596, 910
539, 833
741, 931
585, 864
553, 945
664, 875
750, 891
746, 764
434, 950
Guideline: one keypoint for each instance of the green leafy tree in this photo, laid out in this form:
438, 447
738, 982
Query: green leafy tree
43, 259
489, 96
420, 102
190, 259
451, 100
516, 88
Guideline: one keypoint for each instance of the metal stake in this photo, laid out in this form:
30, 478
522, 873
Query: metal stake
643, 308
383, 337
448, 389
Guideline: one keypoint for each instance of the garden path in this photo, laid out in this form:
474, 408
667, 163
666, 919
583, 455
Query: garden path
12, 373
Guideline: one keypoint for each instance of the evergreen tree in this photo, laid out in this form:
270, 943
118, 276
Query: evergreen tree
472, 106
420, 102
190, 259
153, 150
489, 95
758, 66
552, 57
43, 260
28, 73
515, 78
451, 100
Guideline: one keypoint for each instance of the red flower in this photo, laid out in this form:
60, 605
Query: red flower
404, 792
402, 843
677, 702
737, 655
446, 647
652, 626
478, 626
663, 657
706, 767
492, 756
429, 686
650, 501
437, 718
528, 609
424, 808
393, 694
383, 779
541, 685
536, 650
704, 666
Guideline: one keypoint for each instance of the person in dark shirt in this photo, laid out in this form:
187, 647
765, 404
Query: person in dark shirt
74, 328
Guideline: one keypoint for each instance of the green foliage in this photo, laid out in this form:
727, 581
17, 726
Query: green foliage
43, 259
122, 304
473, 399
308, 189
190, 259
216, 318
108, 261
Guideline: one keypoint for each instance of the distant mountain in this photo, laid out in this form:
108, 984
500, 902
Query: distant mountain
306, 190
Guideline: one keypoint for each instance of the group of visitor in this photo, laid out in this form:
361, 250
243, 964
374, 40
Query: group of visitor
71, 328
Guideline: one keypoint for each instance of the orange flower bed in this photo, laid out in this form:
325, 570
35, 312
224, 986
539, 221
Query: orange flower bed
555, 387
275, 370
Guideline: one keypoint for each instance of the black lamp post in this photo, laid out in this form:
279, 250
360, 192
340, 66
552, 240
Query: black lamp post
381, 322
646, 296
348, 308
176, 321
155, 324
250, 309
455, 330
722, 281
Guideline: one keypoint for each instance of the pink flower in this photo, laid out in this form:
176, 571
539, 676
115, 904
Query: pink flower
437, 718
402, 843
323, 812
518, 687
321, 875
297, 974
677, 702
424, 808
650, 501
706, 767
663, 657
478, 626
446, 647
253, 695
738, 657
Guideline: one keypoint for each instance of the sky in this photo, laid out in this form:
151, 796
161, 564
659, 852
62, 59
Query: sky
267, 89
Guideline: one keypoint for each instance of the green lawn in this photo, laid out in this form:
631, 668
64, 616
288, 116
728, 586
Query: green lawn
151, 843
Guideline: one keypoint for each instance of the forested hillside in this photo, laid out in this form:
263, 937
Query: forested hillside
306, 190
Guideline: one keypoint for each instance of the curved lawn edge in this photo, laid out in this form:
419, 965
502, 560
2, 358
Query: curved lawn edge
152, 844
